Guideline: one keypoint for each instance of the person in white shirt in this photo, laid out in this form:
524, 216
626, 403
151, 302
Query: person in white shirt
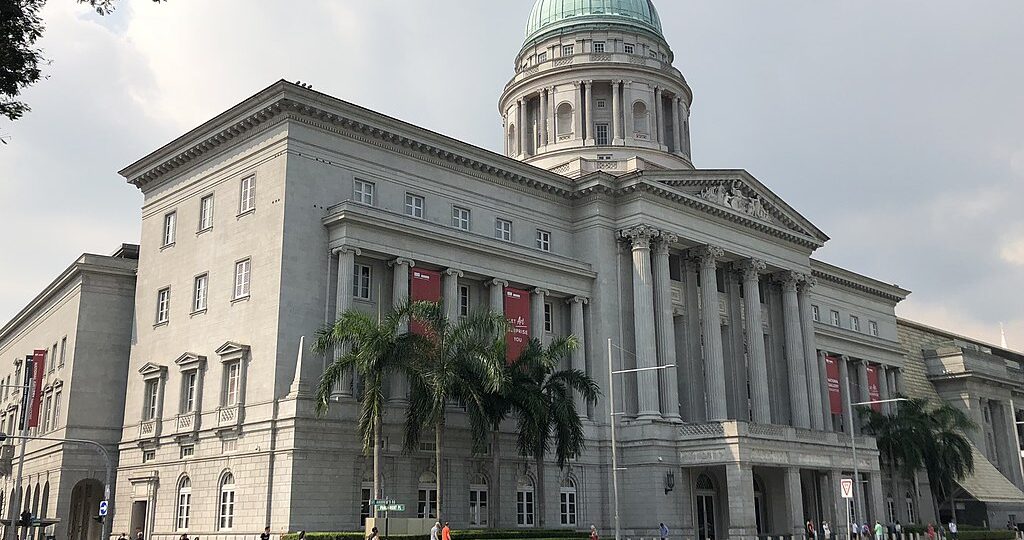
952, 530
435, 531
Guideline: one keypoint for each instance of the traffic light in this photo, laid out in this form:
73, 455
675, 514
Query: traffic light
26, 519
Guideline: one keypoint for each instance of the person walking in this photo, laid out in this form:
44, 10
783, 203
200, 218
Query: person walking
931, 532
446, 532
854, 529
264, 536
663, 531
435, 531
879, 531
865, 531
374, 534
953, 530
809, 527
899, 530
593, 533
826, 530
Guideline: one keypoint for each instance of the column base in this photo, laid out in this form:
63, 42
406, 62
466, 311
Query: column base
673, 418
648, 417
590, 142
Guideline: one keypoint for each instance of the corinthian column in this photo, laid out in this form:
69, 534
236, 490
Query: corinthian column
677, 140
451, 293
668, 387
523, 128
537, 299
578, 358
590, 114
542, 115
643, 318
799, 403
810, 352
497, 295
616, 113
346, 267
579, 110
762, 413
399, 297
714, 357
659, 115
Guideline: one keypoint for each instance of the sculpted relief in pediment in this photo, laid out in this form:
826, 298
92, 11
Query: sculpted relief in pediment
731, 195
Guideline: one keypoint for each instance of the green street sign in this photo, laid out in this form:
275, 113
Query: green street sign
379, 502
391, 507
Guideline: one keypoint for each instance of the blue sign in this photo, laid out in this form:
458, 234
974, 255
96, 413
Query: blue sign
103, 508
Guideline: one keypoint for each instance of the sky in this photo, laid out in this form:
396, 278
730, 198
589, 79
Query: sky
896, 127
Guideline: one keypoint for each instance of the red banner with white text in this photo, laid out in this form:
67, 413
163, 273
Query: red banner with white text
517, 311
424, 286
38, 368
874, 392
835, 393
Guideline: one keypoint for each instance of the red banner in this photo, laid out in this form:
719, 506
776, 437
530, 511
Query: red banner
517, 311
424, 286
38, 368
835, 393
874, 392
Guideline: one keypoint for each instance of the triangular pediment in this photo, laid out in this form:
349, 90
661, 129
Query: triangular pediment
231, 350
190, 359
149, 369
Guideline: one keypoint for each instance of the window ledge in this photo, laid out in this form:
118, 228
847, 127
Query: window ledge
198, 312
167, 246
241, 299
159, 324
206, 230
246, 213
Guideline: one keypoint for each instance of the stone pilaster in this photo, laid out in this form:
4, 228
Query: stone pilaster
714, 357
810, 352
668, 386
450, 285
883, 389
758, 358
523, 127
640, 238
742, 522
659, 115
344, 301
796, 366
627, 111
794, 503
542, 114
578, 358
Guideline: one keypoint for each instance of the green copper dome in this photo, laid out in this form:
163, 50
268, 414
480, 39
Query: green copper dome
551, 15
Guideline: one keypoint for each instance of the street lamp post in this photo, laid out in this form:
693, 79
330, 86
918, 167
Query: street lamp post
611, 417
853, 445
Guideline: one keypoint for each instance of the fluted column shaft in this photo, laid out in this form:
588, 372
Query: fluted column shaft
344, 301
616, 113
760, 403
826, 402
810, 353
578, 358
451, 293
668, 386
799, 403
693, 369
643, 320
579, 110
627, 108
542, 114
400, 297
523, 128
714, 356
845, 387
676, 126
496, 292
656, 129
537, 299
590, 113
883, 388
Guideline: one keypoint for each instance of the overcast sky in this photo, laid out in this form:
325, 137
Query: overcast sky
896, 127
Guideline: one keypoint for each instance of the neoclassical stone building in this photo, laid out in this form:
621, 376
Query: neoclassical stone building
261, 225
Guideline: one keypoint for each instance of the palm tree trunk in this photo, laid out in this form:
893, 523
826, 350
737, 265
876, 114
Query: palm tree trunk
541, 507
494, 505
895, 480
437, 463
376, 463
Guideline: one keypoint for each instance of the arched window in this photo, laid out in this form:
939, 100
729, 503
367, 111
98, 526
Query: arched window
226, 519
524, 502
567, 503
478, 501
911, 509
184, 503
427, 495
640, 118
564, 119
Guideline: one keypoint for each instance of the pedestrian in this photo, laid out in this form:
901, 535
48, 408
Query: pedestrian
264, 536
826, 530
138, 534
663, 530
302, 535
374, 535
810, 529
435, 531
865, 531
593, 533
953, 530
879, 531
446, 532
854, 530
899, 530
183, 537
931, 532
124, 536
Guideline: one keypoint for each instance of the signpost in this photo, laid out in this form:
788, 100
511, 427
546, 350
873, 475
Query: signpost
388, 506
103, 508
846, 491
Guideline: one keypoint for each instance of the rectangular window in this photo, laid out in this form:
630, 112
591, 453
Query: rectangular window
63, 350
567, 50
873, 327
52, 360
148, 455
169, 224
188, 391
460, 218
47, 404
227, 506
543, 240
478, 506
163, 305
601, 104
549, 324
628, 48
601, 134
363, 191
366, 494
188, 451
524, 508
243, 278
463, 301
56, 409
199, 293
503, 229
835, 318
604, 157
362, 280
184, 501
816, 313
206, 213
228, 446
567, 506
232, 378
599, 46
542, 57
854, 323
426, 500
414, 205
152, 395
247, 197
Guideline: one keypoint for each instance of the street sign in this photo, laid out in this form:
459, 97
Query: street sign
395, 508
378, 502
846, 488
103, 508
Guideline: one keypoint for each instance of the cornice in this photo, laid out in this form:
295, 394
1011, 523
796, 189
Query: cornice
857, 282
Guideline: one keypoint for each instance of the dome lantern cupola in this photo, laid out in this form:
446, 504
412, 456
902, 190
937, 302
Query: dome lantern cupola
595, 89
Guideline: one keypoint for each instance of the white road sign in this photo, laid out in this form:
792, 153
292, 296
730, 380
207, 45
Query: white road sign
103, 508
846, 488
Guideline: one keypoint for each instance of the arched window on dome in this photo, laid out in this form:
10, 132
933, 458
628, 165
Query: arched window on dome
641, 120
564, 119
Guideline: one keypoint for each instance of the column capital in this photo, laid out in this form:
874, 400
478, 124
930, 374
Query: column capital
807, 282
589, 83
346, 249
788, 279
402, 261
578, 300
751, 268
539, 291
496, 283
640, 235
707, 255
453, 272
664, 242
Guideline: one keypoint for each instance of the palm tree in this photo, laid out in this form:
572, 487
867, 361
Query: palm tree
918, 436
374, 349
453, 361
546, 406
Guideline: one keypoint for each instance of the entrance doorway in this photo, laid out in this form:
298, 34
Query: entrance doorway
85, 503
705, 508
139, 513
